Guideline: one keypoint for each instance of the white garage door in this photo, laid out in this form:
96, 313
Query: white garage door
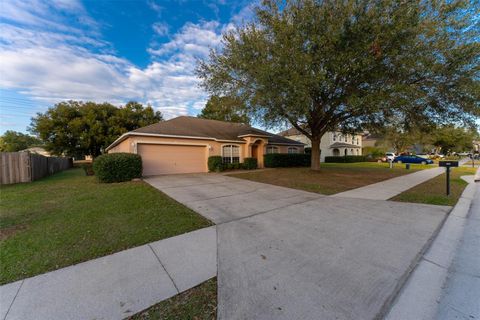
166, 159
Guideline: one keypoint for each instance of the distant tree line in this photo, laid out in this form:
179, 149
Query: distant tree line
13, 141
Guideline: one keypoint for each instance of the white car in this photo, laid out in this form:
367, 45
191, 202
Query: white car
389, 156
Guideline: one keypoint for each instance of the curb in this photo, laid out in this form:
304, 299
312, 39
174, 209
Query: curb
421, 293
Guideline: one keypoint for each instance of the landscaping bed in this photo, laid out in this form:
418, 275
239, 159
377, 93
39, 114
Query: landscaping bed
434, 191
332, 177
198, 303
69, 217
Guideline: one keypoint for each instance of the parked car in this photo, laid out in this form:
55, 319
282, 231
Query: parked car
412, 159
424, 156
389, 156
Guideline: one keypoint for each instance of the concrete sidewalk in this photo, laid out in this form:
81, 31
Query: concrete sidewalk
446, 282
387, 189
115, 286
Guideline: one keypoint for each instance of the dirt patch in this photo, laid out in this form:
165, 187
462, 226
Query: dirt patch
6, 233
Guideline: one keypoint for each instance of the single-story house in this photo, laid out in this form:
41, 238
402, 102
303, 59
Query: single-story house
183, 144
331, 144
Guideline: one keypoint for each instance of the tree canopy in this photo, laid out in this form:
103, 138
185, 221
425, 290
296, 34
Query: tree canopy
224, 109
322, 65
12, 141
449, 139
77, 128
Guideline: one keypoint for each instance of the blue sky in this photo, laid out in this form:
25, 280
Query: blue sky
115, 51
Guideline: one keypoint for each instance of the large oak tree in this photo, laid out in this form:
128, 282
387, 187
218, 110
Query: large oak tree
77, 128
325, 65
224, 109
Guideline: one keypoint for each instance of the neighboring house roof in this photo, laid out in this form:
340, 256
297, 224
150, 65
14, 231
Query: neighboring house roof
290, 132
343, 145
192, 127
38, 150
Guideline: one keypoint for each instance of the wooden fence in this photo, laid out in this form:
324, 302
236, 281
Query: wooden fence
26, 167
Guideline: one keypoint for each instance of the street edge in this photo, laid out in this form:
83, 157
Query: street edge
420, 295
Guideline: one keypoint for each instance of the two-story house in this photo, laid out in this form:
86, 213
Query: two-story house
332, 144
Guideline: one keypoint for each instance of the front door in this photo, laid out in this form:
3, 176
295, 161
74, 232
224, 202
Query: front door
254, 151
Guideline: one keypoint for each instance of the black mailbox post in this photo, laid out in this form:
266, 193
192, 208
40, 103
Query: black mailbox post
448, 164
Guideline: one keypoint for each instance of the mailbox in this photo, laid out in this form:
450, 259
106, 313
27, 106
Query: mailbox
448, 163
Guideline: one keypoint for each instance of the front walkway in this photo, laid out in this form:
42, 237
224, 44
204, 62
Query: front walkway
115, 286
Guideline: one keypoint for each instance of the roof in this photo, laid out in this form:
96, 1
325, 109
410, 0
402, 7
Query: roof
343, 145
290, 132
205, 128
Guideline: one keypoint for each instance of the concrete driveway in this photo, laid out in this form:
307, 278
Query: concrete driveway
290, 254
221, 198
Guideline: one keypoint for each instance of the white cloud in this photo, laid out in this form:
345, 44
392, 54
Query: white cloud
161, 28
46, 59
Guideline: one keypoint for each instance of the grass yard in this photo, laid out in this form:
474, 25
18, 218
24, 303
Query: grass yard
332, 177
68, 218
433, 191
198, 303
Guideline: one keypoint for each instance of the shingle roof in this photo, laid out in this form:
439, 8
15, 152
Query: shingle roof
290, 132
220, 130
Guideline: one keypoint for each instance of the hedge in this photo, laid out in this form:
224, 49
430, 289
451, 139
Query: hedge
250, 163
215, 164
274, 160
117, 167
346, 159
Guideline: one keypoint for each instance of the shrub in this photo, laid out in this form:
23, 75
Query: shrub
250, 163
346, 159
308, 150
274, 160
374, 152
88, 168
118, 167
215, 164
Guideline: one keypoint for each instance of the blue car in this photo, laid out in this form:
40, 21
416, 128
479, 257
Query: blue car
412, 159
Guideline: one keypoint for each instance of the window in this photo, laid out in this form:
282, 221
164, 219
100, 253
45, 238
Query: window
292, 150
272, 149
231, 154
334, 137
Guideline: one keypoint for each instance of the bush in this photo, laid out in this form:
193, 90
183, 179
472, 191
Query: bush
118, 167
374, 152
346, 159
215, 164
88, 168
274, 160
249, 163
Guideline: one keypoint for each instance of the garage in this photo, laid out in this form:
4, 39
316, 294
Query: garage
167, 159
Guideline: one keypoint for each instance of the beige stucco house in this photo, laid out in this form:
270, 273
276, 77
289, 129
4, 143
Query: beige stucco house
331, 144
183, 144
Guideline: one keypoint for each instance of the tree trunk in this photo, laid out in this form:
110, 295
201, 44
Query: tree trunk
315, 159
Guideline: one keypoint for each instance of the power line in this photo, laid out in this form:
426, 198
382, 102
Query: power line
22, 107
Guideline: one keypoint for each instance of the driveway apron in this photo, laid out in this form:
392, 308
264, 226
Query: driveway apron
291, 254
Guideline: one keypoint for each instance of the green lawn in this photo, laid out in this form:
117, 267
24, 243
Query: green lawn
69, 217
198, 303
332, 177
433, 191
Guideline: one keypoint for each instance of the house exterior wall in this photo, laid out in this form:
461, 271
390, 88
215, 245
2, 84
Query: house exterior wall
330, 138
212, 148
